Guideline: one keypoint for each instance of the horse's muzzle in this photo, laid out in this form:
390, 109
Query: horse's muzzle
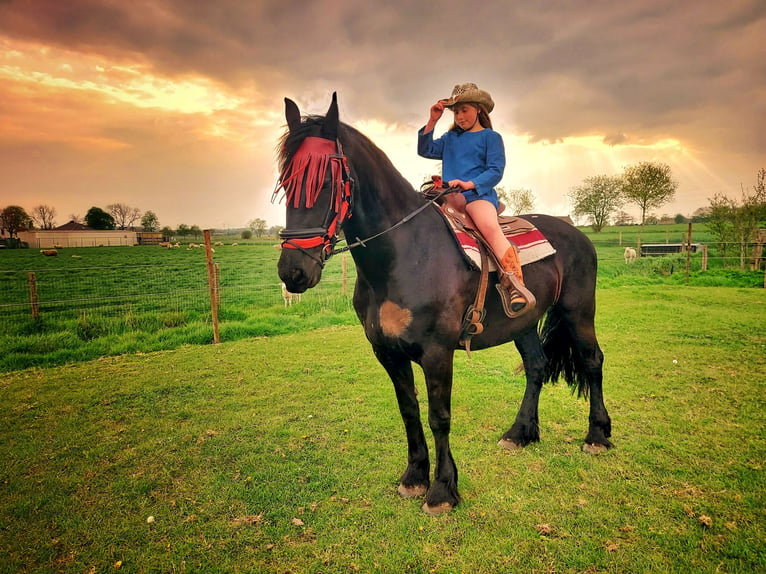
298, 271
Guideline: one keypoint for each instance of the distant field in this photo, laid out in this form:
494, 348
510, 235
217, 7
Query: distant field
112, 300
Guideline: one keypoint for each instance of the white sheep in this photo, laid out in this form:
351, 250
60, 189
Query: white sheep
630, 254
289, 297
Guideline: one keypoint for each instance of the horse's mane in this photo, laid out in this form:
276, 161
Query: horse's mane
354, 143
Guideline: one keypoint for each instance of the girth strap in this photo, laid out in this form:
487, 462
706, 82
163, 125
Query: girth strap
473, 322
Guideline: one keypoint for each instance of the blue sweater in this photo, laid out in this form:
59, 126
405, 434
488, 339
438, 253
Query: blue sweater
470, 156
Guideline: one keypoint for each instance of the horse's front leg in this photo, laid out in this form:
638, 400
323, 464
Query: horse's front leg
415, 480
443, 494
526, 427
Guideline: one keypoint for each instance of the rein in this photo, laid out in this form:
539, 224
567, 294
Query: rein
405, 219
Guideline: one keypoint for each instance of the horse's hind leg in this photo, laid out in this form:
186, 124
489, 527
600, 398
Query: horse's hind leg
599, 423
415, 480
526, 427
588, 361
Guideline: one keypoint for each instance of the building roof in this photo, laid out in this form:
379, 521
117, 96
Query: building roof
73, 226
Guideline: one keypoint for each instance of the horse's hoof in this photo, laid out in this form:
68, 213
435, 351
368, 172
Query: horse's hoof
509, 444
412, 491
437, 509
594, 448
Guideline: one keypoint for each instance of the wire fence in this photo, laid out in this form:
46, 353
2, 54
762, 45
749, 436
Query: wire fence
156, 295
166, 294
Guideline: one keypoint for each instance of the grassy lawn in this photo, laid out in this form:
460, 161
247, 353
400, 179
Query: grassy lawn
95, 302
283, 453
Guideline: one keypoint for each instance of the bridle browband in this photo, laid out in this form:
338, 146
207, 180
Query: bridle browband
307, 169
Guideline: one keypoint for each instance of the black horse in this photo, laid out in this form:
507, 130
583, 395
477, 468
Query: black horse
413, 288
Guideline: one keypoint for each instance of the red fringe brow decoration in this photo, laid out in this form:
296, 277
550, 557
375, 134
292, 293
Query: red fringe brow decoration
309, 166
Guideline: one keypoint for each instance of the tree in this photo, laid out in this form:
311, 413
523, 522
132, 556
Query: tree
124, 216
516, 200
14, 219
258, 226
195, 231
624, 218
150, 221
183, 230
648, 185
701, 215
246, 234
167, 233
97, 218
735, 223
43, 216
597, 198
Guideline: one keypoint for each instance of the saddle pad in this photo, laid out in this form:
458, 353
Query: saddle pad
532, 244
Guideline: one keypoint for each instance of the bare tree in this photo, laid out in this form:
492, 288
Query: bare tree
124, 215
43, 216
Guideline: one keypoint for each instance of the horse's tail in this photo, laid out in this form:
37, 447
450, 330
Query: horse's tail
559, 346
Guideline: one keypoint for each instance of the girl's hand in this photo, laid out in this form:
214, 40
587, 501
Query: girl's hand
436, 111
464, 185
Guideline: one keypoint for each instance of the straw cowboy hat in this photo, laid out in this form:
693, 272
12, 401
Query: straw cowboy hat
469, 93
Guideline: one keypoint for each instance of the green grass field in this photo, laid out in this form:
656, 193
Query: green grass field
115, 300
283, 453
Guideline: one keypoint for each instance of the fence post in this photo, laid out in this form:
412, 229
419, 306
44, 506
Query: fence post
688, 251
704, 257
212, 285
35, 304
344, 276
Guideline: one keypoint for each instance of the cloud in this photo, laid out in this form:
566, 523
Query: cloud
154, 95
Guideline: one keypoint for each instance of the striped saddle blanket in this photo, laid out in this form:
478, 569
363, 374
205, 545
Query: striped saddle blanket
532, 244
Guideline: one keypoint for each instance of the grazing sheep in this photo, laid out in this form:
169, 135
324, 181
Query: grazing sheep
218, 243
630, 254
49, 252
234, 244
289, 297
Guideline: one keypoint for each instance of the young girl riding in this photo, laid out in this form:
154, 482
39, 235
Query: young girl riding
473, 159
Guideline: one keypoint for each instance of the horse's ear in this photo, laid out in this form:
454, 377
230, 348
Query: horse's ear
292, 114
331, 120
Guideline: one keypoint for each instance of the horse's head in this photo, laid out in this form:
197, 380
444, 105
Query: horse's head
317, 186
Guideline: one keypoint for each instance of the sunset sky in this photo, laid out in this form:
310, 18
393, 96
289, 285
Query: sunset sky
175, 106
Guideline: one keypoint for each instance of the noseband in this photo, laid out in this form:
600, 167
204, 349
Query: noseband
307, 170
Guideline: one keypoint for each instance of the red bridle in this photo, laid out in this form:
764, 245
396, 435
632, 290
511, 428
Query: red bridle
307, 171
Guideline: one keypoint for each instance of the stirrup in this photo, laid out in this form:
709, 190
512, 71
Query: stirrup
512, 293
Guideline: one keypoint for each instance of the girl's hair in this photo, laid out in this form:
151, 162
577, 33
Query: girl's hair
484, 120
